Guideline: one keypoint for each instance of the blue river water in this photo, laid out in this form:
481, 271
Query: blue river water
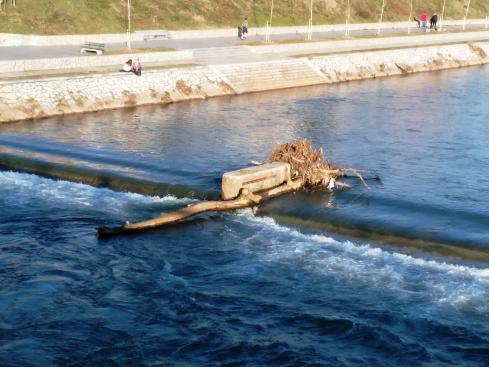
394, 275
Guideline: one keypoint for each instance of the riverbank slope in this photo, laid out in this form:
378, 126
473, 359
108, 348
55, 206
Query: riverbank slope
108, 16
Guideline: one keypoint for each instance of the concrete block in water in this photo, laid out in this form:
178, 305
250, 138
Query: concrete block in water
255, 179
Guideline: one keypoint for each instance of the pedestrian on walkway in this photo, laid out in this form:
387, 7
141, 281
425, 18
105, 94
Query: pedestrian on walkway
244, 27
433, 21
424, 18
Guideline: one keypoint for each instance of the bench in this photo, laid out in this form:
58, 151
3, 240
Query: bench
98, 48
151, 35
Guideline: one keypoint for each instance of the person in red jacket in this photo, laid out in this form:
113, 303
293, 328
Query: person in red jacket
424, 19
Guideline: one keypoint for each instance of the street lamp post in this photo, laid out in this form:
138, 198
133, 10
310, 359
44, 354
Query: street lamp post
410, 16
347, 22
269, 24
442, 15
465, 16
309, 32
381, 16
128, 32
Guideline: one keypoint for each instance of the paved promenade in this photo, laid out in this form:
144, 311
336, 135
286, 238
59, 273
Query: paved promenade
79, 65
196, 42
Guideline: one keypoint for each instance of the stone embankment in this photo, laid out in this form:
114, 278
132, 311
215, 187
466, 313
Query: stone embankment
64, 63
29, 99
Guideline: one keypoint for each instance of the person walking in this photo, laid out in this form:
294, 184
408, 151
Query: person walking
433, 21
424, 18
244, 27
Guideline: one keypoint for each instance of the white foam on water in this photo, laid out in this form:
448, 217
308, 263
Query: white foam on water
437, 282
411, 278
20, 188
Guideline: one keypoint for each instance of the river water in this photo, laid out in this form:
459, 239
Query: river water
397, 275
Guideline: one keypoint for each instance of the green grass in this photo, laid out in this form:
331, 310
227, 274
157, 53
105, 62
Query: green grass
108, 16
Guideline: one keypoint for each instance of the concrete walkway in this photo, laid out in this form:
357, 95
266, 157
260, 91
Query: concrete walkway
41, 52
87, 71
229, 55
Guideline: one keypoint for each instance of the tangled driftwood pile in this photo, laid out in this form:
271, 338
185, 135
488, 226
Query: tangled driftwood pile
308, 164
305, 162
308, 168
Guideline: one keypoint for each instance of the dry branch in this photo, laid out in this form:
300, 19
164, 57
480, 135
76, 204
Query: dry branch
309, 164
305, 162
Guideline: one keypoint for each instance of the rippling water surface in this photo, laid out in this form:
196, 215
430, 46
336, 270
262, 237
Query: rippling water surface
397, 275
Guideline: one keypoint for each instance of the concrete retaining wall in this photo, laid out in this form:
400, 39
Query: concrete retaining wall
338, 68
369, 43
13, 66
7, 39
55, 96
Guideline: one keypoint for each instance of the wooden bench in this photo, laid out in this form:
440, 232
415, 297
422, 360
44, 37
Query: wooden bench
98, 48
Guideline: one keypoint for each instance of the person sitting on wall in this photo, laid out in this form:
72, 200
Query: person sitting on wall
136, 67
127, 67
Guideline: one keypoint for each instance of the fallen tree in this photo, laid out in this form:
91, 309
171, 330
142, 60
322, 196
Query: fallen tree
308, 169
